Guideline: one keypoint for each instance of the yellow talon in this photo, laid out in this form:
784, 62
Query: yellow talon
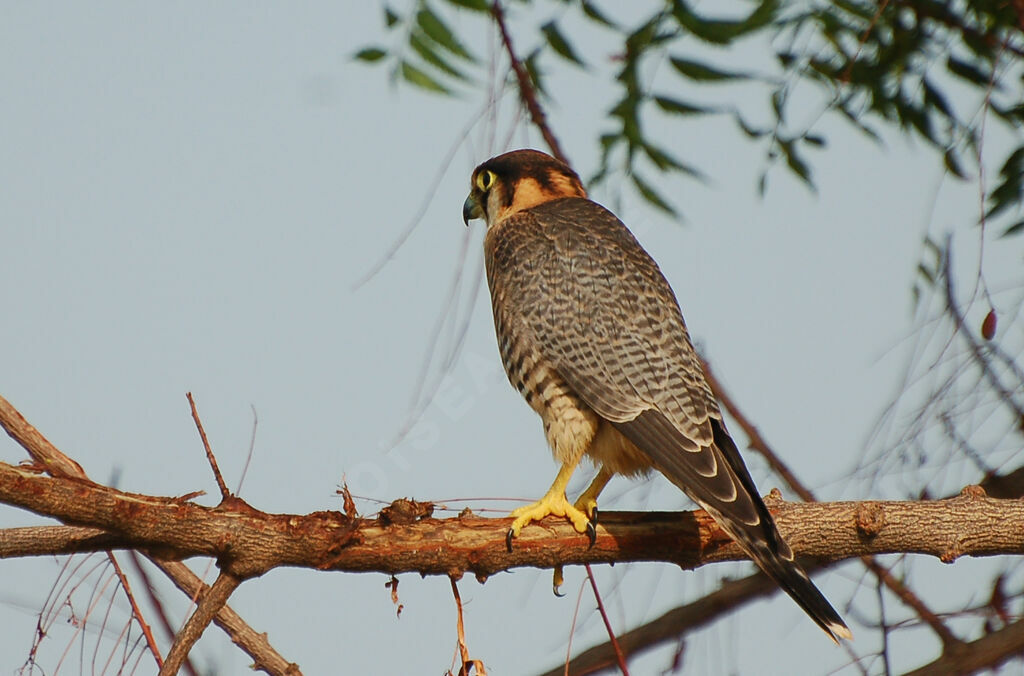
550, 504
554, 502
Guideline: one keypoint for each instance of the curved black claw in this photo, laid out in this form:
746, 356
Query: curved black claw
556, 582
508, 540
593, 517
591, 533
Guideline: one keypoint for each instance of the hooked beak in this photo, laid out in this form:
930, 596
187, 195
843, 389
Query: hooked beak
471, 209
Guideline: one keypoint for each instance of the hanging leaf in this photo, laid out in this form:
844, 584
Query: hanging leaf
438, 31
560, 44
700, 72
677, 107
1015, 229
416, 76
596, 15
722, 32
370, 54
1010, 190
952, 163
795, 162
651, 195
967, 71
421, 46
475, 5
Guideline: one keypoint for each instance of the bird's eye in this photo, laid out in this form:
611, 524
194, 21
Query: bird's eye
485, 179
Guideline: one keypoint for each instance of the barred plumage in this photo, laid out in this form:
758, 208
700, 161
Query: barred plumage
592, 335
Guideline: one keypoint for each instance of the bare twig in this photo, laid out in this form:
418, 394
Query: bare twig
619, 657
703, 611
158, 607
210, 457
1006, 396
526, 90
147, 632
460, 628
210, 603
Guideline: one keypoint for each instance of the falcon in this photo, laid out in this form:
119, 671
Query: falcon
591, 334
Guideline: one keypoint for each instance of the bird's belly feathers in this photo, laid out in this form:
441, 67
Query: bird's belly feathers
572, 428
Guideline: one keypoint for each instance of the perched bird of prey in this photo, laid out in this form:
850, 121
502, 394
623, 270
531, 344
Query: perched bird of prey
592, 336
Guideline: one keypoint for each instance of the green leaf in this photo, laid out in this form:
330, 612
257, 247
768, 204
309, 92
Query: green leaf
438, 31
700, 72
936, 99
796, 163
596, 15
370, 54
560, 44
666, 162
1010, 191
1015, 229
416, 76
749, 131
532, 65
475, 5
952, 163
390, 18
651, 195
967, 71
421, 46
678, 107
723, 32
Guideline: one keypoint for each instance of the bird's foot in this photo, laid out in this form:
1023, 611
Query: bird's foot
551, 504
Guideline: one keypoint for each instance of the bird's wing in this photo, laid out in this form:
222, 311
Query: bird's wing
610, 325
604, 316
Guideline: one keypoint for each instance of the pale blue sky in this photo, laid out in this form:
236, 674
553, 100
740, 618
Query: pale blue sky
187, 200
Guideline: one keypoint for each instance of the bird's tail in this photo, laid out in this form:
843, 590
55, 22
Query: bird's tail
779, 564
763, 543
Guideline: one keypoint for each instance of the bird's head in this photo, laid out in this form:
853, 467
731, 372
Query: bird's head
518, 180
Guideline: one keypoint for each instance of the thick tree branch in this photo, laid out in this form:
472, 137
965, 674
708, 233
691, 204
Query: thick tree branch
247, 542
988, 652
705, 610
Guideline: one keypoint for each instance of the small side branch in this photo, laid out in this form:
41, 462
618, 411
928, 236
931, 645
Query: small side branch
225, 494
210, 603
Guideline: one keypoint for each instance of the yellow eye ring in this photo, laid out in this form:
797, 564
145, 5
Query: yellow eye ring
485, 179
